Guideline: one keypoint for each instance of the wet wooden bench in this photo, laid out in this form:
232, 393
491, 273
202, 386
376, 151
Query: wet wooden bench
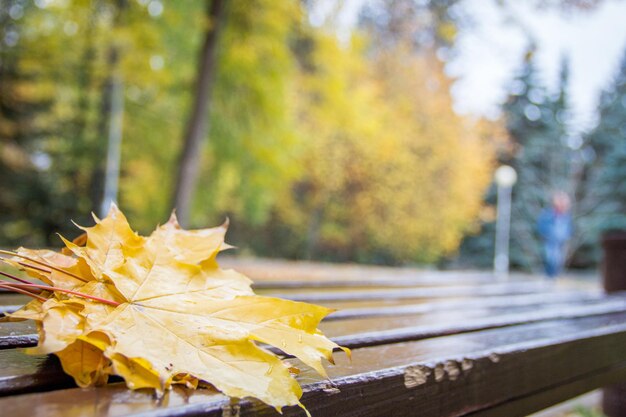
424, 344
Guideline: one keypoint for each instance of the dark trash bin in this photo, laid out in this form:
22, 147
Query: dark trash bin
614, 276
614, 262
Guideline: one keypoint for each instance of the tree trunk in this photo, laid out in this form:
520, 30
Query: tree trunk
198, 124
105, 177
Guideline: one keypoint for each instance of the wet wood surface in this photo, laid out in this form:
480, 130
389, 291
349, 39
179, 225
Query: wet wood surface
375, 330
464, 345
440, 377
324, 274
541, 399
404, 293
420, 320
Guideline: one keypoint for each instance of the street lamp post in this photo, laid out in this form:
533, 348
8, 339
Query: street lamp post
114, 146
505, 178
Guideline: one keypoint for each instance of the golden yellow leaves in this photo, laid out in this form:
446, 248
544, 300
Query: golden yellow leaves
159, 311
383, 146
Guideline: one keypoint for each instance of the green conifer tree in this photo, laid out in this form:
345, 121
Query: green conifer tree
537, 123
602, 189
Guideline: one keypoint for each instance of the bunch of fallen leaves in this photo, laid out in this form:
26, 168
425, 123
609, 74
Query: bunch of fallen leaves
159, 311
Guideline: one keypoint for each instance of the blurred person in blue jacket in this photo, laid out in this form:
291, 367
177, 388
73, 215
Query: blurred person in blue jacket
555, 227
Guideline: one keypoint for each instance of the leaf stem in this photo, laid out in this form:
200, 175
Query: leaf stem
23, 281
63, 290
36, 268
25, 292
6, 252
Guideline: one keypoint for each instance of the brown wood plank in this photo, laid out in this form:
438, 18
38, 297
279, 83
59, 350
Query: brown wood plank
369, 331
536, 401
18, 334
495, 289
344, 292
433, 280
355, 333
359, 332
270, 270
521, 300
268, 273
24, 333
21, 373
11, 302
445, 376
374, 282
374, 304
353, 341
394, 307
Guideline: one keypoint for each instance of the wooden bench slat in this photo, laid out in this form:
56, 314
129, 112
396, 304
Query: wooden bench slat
368, 331
536, 299
394, 307
10, 301
440, 344
18, 334
354, 336
429, 281
29, 364
26, 373
443, 376
360, 294
536, 401
359, 332
283, 270
403, 293
376, 304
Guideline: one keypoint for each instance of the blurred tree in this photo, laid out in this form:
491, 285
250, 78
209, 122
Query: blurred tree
300, 154
537, 124
446, 164
197, 126
39, 199
57, 53
567, 5
254, 131
133, 76
105, 181
424, 26
417, 24
477, 248
367, 192
341, 128
601, 194
160, 44
23, 131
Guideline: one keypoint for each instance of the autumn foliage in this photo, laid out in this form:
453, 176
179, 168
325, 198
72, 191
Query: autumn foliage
388, 170
331, 147
159, 311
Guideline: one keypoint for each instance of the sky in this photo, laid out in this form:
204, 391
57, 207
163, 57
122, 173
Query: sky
491, 49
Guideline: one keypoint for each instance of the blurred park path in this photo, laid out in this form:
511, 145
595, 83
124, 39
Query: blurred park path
580, 280
320, 274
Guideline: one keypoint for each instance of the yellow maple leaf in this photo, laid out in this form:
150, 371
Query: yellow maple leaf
159, 310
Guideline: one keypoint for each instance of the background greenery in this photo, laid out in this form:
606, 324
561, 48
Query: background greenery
321, 145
